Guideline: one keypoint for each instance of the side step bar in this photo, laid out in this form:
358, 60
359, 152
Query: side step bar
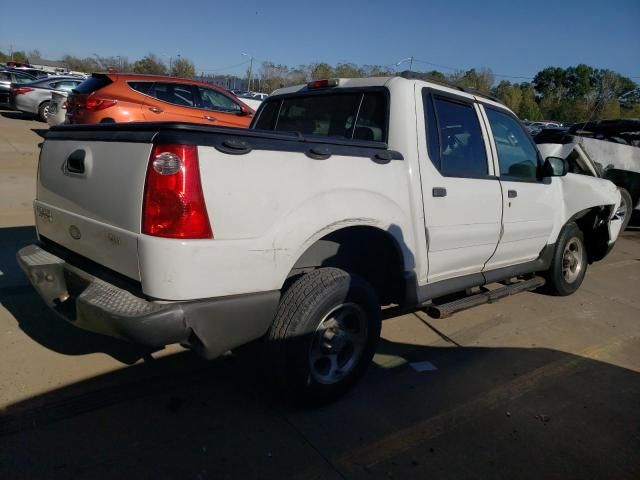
447, 309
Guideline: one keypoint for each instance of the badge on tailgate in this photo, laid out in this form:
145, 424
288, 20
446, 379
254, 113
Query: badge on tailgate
44, 214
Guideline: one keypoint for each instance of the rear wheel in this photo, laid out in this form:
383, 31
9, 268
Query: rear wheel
43, 111
569, 264
324, 335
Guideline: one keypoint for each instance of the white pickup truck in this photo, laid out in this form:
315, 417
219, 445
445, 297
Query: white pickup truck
344, 196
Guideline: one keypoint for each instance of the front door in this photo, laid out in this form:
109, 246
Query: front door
220, 109
171, 102
461, 195
527, 200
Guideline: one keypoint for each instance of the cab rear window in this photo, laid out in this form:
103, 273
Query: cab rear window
351, 115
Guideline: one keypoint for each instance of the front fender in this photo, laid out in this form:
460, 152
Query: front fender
581, 193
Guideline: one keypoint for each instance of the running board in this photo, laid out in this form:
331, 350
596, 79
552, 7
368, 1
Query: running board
447, 309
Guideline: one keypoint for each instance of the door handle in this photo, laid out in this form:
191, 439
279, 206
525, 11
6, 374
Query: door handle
210, 118
512, 193
439, 192
156, 109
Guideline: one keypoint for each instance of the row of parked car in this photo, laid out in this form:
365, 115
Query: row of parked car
115, 97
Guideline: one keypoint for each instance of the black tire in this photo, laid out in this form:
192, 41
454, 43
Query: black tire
43, 111
327, 296
627, 204
567, 269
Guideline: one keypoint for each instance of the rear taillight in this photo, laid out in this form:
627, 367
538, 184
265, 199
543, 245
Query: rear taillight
20, 90
65, 105
173, 204
95, 104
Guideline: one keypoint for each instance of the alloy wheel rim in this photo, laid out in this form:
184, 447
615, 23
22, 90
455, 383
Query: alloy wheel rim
572, 260
338, 343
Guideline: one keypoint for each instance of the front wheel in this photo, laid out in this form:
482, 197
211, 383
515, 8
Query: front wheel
625, 209
324, 335
569, 264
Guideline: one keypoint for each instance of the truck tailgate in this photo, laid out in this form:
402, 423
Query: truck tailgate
89, 199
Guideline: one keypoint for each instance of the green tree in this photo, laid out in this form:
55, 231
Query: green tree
320, 71
509, 94
529, 108
610, 110
87, 65
19, 56
151, 64
479, 80
375, 71
183, 68
347, 70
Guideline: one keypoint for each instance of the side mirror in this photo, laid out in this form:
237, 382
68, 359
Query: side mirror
555, 167
244, 110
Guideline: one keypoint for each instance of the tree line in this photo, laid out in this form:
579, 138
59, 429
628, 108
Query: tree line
150, 64
573, 94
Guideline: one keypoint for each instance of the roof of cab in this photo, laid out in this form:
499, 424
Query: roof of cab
388, 81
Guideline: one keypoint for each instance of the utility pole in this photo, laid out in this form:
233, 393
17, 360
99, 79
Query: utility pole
250, 69
409, 59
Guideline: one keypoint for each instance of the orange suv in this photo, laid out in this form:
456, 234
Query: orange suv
116, 97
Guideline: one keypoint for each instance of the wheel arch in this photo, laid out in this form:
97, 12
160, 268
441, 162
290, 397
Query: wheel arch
593, 222
372, 252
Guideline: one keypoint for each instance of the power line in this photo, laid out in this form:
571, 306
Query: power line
447, 67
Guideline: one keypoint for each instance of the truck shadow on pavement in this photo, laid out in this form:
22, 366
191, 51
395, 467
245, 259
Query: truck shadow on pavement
37, 321
15, 115
490, 411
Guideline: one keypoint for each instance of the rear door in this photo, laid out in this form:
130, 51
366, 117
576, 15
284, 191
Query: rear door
220, 109
527, 200
171, 102
462, 197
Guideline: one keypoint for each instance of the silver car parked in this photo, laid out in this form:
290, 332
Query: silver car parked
36, 96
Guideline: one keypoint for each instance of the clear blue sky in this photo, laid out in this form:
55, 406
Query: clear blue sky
511, 37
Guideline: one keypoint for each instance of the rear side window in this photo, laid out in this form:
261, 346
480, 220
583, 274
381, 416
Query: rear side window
142, 87
93, 83
350, 115
66, 85
175, 93
455, 142
5, 76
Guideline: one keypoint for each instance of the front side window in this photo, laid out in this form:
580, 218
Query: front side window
459, 143
175, 93
517, 156
213, 100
